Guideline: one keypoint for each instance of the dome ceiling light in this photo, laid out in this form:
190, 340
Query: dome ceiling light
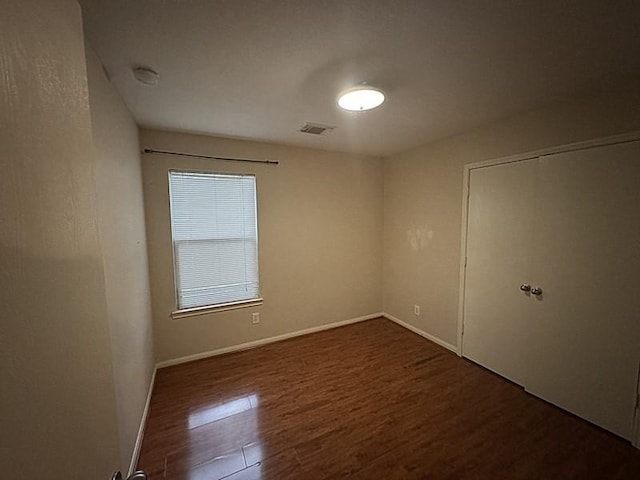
360, 98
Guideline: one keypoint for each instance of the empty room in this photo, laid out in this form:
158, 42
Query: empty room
294, 239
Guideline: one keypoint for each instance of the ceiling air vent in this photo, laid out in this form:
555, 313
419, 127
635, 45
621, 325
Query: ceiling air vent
316, 129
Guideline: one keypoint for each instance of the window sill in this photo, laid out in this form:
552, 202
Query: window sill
222, 307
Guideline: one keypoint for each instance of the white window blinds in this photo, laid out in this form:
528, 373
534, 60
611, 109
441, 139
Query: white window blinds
215, 238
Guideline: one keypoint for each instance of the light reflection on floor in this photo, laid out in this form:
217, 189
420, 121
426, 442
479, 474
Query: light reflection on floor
242, 464
213, 413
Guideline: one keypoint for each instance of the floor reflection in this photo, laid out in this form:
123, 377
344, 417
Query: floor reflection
241, 464
252, 453
244, 464
213, 413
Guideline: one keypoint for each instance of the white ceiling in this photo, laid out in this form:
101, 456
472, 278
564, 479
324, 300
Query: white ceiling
260, 69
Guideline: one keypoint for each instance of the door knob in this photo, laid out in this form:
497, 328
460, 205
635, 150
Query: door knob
525, 287
536, 291
137, 475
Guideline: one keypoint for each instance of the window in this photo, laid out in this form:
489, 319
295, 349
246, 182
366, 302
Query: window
215, 238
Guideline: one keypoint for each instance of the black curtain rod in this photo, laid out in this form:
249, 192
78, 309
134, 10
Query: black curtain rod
209, 157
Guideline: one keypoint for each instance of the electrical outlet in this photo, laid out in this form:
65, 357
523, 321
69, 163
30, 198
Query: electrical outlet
255, 318
416, 309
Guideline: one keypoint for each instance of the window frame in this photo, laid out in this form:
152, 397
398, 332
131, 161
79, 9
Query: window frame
178, 312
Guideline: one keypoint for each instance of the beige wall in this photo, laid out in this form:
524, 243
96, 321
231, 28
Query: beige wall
320, 240
423, 200
57, 400
122, 236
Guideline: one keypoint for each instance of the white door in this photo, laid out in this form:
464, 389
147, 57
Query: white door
584, 341
499, 233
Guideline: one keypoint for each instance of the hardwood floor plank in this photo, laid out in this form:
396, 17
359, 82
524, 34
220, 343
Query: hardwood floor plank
365, 401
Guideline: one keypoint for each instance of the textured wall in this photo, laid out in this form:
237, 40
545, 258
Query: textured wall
320, 240
423, 200
124, 247
56, 389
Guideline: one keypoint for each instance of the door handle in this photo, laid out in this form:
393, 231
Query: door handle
137, 475
525, 287
536, 291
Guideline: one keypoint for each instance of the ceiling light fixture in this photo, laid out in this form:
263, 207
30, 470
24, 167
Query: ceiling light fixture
360, 98
146, 75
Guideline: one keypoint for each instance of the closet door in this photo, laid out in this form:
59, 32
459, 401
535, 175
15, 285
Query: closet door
584, 347
499, 234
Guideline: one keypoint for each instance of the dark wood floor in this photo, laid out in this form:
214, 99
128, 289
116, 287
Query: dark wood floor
367, 401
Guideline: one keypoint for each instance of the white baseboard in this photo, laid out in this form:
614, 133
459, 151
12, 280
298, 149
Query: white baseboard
143, 422
422, 333
264, 341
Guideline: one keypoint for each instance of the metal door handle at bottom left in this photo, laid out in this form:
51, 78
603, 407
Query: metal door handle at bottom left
137, 475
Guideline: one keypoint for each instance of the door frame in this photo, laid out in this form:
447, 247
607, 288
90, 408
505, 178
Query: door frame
466, 185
